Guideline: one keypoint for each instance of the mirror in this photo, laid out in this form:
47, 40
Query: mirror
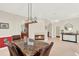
68, 27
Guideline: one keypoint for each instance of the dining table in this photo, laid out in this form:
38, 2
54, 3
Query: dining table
30, 50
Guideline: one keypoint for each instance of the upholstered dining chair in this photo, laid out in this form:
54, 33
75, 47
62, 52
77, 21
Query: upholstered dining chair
13, 50
45, 51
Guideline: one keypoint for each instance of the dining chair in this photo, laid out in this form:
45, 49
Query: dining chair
13, 50
45, 51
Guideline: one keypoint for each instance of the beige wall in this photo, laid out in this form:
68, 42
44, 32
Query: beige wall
37, 28
14, 24
74, 21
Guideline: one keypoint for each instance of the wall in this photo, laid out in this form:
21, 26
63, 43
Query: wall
14, 21
50, 29
37, 28
74, 21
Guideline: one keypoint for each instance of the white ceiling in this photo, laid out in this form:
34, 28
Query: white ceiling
51, 11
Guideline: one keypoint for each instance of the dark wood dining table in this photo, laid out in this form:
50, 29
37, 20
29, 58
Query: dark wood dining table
30, 50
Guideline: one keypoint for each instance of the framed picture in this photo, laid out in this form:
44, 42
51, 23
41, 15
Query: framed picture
4, 26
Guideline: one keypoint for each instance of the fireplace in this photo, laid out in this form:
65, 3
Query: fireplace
39, 37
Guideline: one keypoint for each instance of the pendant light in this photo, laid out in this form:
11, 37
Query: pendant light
30, 18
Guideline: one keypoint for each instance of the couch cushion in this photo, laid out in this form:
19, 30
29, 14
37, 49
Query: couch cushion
2, 41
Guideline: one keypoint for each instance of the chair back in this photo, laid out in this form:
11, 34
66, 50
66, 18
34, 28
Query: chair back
13, 50
45, 51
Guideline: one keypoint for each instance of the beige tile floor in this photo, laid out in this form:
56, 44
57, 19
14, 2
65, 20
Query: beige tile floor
63, 48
